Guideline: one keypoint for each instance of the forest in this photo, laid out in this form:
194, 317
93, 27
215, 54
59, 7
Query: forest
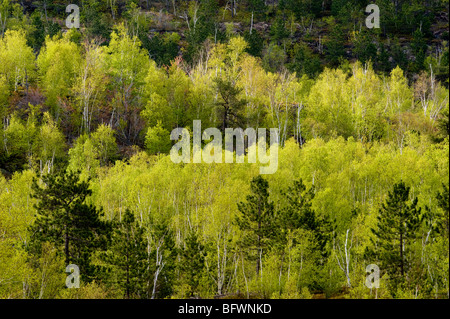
87, 179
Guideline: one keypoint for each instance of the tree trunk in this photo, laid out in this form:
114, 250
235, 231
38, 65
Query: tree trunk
259, 241
128, 280
401, 254
66, 244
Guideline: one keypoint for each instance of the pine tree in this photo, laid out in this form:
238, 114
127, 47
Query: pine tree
127, 256
255, 43
278, 30
383, 63
258, 7
299, 214
230, 109
193, 262
365, 50
443, 217
304, 61
398, 222
398, 54
335, 45
257, 220
419, 48
65, 220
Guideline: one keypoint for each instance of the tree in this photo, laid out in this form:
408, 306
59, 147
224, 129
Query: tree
397, 224
65, 220
255, 43
258, 7
59, 62
201, 19
127, 65
256, 220
91, 152
278, 31
443, 124
365, 50
298, 214
17, 141
17, 66
329, 105
162, 261
36, 37
335, 44
419, 48
157, 139
163, 49
83, 156
302, 7
274, 58
193, 262
399, 55
304, 61
230, 110
4, 94
443, 217
383, 64
127, 256
90, 85
104, 141
51, 144
95, 21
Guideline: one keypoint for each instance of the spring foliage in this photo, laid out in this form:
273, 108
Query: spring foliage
86, 176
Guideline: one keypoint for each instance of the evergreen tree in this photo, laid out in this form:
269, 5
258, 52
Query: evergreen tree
278, 30
95, 20
398, 222
335, 44
257, 220
162, 49
304, 61
301, 8
365, 50
257, 7
36, 37
443, 217
443, 123
65, 220
231, 107
206, 26
398, 54
255, 43
299, 214
419, 48
127, 256
193, 262
383, 63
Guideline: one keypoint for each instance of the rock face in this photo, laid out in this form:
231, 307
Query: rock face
261, 26
237, 26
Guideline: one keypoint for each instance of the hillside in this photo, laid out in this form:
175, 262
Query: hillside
116, 158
